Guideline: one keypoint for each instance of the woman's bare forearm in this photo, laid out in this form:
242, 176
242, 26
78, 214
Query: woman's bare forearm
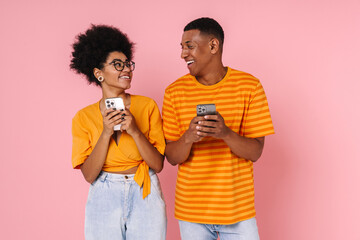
95, 162
153, 158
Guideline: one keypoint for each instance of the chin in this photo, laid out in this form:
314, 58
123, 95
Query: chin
193, 73
125, 85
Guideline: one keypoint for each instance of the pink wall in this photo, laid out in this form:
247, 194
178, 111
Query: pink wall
306, 53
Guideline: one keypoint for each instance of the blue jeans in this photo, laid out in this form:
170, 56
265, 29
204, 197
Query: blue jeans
244, 230
115, 209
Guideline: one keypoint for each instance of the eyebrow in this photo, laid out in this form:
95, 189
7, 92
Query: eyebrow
187, 42
116, 59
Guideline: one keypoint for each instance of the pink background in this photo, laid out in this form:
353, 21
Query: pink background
306, 54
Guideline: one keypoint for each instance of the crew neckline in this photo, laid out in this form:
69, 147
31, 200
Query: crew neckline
216, 84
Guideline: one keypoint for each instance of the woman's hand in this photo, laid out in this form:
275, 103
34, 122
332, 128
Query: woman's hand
128, 123
95, 162
111, 118
148, 152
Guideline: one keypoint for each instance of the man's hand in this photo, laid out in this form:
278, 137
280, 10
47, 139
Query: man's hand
193, 134
212, 126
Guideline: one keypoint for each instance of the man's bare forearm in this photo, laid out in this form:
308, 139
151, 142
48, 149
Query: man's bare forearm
243, 147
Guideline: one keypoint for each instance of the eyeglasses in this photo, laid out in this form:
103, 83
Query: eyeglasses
119, 65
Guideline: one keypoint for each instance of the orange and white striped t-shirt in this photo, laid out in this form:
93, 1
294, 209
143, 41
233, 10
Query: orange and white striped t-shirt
214, 186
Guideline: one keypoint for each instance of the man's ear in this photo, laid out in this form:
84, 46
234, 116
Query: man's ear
214, 45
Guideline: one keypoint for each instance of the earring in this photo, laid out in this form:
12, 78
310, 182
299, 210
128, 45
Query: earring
101, 78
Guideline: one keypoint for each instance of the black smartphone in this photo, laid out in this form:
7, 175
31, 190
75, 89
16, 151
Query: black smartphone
206, 109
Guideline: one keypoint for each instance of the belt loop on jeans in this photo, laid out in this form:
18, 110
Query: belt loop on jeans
103, 176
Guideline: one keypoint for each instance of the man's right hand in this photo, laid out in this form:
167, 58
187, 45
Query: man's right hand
177, 152
191, 135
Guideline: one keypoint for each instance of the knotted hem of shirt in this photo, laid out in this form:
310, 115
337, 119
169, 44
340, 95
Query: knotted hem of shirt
142, 178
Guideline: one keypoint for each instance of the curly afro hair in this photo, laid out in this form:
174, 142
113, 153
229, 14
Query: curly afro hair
92, 48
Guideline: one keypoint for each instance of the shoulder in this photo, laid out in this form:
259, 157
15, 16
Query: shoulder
241, 75
143, 101
244, 80
180, 83
86, 112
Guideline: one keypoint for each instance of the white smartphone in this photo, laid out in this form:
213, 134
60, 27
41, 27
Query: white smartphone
115, 103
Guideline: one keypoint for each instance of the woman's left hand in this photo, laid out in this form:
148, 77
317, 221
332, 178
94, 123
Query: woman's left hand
129, 124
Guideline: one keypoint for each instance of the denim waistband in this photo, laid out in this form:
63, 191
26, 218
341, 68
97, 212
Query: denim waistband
119, 177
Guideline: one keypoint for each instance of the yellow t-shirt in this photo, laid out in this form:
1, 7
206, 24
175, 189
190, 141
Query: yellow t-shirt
214, 186
87, 127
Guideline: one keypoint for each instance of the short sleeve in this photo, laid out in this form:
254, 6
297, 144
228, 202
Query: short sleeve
257, 120
156, 134
171, 124
81, 146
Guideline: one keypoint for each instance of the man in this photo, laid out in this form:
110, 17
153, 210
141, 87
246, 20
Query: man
215, 153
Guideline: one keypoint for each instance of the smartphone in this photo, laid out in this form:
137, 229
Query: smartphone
206, 109
115, 103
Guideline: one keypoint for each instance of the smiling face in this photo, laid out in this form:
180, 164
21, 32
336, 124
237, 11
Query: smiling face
112, 77
197, 52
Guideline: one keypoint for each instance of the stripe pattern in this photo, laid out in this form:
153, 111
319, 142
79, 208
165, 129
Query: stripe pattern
214, 186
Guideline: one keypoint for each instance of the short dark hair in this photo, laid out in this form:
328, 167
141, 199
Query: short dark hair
92, 48
208, 26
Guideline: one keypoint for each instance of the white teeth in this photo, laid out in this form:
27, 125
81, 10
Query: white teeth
127, 77
189, 62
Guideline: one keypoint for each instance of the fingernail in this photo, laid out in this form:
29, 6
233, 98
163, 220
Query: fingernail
123, 115
122, 118
121, 109
197, 127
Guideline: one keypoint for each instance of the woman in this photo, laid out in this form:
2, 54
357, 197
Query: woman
125, 199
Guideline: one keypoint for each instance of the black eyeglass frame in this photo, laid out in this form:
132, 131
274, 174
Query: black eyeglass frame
118, 67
